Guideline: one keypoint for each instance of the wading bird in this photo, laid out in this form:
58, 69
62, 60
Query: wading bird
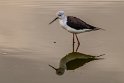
73, 61
74, 25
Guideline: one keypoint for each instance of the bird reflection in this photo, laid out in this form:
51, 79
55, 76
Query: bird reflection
73, 61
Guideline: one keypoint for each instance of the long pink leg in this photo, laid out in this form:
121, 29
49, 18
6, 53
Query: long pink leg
73, 42
78, 42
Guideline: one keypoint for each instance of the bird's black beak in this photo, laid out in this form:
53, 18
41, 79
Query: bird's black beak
53, 67
53, 20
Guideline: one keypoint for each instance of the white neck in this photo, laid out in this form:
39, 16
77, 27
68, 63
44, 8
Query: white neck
63, 22
63, 18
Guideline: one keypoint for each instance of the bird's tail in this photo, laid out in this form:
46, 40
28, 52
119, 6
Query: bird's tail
98, 57
98, 29
93, 28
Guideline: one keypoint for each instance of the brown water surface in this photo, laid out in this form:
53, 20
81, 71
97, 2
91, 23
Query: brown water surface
27, 41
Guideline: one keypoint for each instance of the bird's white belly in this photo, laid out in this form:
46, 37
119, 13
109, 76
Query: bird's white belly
66, 27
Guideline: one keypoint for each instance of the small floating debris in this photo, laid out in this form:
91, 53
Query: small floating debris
54, 42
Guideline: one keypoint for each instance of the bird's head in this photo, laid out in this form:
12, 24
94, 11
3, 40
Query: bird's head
59, 71
59, 15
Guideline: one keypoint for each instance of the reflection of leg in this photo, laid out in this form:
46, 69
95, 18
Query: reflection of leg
73, 42
78, 42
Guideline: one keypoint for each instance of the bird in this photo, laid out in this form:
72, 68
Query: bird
73, 61
74, 25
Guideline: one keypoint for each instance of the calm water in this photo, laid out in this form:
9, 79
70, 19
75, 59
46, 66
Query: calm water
27, 41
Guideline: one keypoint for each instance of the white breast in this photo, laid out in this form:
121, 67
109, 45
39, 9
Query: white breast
63, 23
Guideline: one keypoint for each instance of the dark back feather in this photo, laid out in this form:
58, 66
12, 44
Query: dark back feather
76, 63
78, 24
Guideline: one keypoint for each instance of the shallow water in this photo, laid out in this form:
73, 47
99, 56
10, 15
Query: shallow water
27, 41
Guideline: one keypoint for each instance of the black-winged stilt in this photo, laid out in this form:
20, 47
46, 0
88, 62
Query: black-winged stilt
73, 25
73, 61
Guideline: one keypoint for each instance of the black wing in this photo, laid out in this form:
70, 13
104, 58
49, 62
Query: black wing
78, 24
74, 64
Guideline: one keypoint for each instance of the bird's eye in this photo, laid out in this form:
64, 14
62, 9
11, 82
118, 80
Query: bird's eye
59, 15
